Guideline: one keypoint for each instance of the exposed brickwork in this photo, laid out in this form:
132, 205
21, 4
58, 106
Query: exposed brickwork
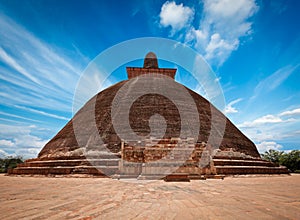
68, 156
135, 71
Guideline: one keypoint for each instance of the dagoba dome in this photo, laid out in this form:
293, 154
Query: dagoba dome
141, 111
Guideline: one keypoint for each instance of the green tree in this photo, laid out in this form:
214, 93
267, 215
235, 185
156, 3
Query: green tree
9, 162
273, 156
291, 160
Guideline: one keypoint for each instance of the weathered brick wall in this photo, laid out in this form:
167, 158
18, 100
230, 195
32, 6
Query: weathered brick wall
171, 150
135, 71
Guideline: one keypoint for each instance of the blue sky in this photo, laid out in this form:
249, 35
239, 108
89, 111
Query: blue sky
252, 46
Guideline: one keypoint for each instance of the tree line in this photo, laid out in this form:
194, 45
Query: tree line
291, 160
9, 162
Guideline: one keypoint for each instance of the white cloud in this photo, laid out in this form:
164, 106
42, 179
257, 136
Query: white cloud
297, 132
222, 24
226, 15
293, 112
20, 140
36, 75
3, 153
268, 145
274, 80
41, 112
18, 116
29, 140
271, 128
226, 22
27, 153
13, 63
267, 119
218, 79
218, 47
176, 16
36, 70
6, 143
229, 107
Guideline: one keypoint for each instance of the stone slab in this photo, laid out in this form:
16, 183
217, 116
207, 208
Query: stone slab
104, 198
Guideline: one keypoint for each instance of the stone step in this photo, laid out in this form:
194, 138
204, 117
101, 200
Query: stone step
234, 157
197, 177
177, 177
100, 155
229, 170
126, 176
97, 170
150, 177
104, 156
108, 170
214, 176
71, 163
228, 162
104, 162
41, 170
54, 163
163, 164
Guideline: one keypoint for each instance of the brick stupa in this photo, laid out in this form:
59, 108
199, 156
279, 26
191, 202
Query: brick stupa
62, 155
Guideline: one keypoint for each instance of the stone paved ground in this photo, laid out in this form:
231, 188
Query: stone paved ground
88, 198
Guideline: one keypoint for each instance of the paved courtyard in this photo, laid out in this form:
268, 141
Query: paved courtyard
276, 197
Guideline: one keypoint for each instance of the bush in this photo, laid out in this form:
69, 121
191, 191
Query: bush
273, 156
291, 160
9, 162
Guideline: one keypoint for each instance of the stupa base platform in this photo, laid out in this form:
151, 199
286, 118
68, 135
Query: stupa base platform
107, 164
241, 166
219, 168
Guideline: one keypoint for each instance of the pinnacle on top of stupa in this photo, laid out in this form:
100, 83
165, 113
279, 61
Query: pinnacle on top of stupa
150, 60
150, 67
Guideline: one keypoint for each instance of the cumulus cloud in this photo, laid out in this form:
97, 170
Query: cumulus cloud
272, 119
20, 140
222, 24
218, 47
229, 18
268, 145
225, 22
271, 128
6, 143
294, 112
229, 107
267, 119
176, 16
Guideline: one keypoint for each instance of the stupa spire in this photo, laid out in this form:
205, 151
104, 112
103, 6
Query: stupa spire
150, 67
150, 60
